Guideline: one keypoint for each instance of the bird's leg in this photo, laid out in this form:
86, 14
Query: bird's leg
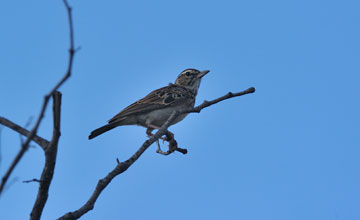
159, 151
150, 134
172, 145
150, 129
169, 137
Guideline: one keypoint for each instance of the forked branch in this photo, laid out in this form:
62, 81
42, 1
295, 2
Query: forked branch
23, 131
32, 134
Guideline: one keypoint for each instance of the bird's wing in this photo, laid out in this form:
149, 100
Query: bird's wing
157, 99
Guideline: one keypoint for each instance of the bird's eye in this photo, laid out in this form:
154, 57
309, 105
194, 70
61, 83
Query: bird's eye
187, 74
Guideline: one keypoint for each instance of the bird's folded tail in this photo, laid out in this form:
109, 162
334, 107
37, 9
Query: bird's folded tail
101, 130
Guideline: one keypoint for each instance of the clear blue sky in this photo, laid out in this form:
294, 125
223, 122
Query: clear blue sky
288, 152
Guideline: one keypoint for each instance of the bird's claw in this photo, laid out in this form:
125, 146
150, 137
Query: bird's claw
173, 146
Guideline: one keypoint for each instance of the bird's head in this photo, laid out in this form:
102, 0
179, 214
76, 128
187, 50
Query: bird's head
191, 78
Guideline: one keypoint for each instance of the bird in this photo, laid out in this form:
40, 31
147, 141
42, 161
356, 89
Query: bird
153, 110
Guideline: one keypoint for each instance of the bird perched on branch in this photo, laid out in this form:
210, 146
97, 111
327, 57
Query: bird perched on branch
153, 110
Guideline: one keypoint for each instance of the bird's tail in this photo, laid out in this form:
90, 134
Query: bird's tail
101, 130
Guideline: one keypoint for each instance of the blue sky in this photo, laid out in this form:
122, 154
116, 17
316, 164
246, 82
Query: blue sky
290, 151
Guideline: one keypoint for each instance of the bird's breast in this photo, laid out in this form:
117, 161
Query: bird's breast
160, 116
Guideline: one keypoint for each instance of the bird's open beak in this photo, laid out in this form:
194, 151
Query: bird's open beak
203, 73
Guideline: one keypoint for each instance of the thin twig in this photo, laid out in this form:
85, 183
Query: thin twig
39, 140
26, 126
51, 150
222, 98
123, 166
33, 131
11, 182
31, 181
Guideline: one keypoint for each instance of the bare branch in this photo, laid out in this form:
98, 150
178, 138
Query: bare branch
30, 181
123, 166
50, 160
39, 140
33, 131
26, 126
222, 98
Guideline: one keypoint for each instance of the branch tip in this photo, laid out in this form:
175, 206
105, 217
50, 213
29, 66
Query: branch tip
30, 181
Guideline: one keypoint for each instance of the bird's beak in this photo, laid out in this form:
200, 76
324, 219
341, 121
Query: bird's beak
203, 73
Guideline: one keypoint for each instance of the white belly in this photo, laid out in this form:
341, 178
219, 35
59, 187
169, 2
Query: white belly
159, 117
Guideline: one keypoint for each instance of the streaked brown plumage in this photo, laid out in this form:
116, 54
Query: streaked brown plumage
155, 108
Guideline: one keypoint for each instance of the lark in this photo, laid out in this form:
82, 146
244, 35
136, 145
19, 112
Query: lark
153, 110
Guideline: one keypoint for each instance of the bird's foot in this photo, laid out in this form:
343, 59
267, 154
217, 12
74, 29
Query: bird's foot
173, 146
159, 151
150, 134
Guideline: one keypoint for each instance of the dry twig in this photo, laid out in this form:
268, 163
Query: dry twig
12, 125
31, 181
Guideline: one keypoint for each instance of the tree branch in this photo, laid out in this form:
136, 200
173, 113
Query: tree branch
123, 166
33, 131
50, 160
39, 140
222, 98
